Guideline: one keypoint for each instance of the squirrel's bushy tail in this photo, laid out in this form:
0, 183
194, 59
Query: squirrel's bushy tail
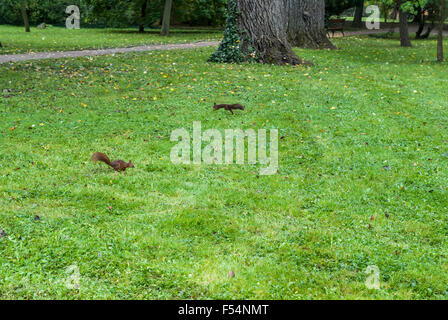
98, 156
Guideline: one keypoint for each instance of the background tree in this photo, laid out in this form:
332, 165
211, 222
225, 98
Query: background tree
306, 24
201, 12
126, 13
337, 7
144, 13
359, 12
143, 9
166, 17
24, 7
405, 41
421, 18
19, 10
442, 17
404, 8
385, 10
116, 13
38, 11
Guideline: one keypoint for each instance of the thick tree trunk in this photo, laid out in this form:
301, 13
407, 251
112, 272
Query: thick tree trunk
306, 24
262, 26
256, 30
26, 20
440, 32
359, 11
141, 27
166, 18
404, 29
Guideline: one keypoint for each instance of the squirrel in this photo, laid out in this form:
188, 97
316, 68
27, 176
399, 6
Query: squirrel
117, 165
228, 107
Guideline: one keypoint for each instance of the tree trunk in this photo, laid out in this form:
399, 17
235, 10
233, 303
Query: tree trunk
167, 18
306, 24
404, 29
440, 32
385, 11
428, 31
256, 30
26, 21
262, 27
359, 11
141, 27
420, 19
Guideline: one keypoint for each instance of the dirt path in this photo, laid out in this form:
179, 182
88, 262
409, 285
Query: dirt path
101, 52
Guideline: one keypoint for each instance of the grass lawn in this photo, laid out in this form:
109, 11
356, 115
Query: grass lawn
16, 40
364, 136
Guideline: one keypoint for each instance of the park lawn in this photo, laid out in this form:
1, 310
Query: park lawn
364, 142
15, 40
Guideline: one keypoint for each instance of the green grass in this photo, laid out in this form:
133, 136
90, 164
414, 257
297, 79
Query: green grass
365, 134
16, 40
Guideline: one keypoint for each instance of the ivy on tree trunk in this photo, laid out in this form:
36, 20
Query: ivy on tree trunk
256, 30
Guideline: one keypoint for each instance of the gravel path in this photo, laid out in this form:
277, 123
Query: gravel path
101, 52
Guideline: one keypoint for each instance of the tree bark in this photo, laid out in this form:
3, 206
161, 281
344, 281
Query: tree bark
26, 20
141, 27
262, 26
306, 24
359, 11
440, 32
166, 18
404, 29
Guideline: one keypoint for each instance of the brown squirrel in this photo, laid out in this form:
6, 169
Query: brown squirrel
228, 107
117, 165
